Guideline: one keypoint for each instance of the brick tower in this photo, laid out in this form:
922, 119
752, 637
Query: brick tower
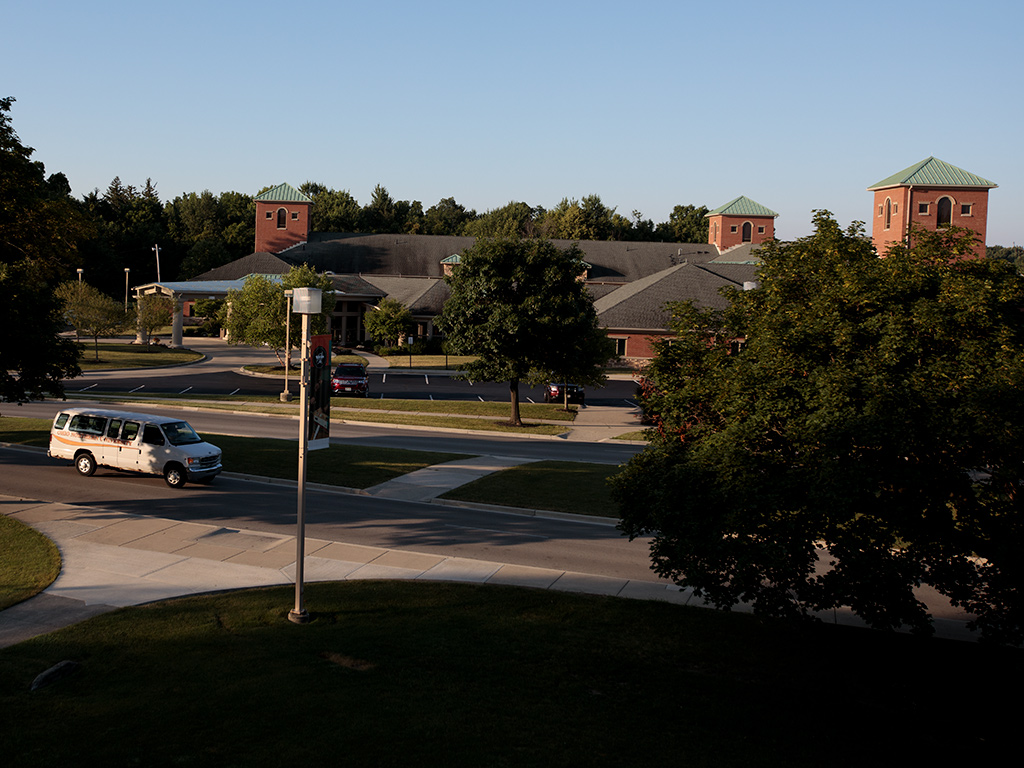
930, 194
740, 221
282, 219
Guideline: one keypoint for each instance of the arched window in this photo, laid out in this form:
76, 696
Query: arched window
714, 232
746, 232
282, 218
888, 213
945, 209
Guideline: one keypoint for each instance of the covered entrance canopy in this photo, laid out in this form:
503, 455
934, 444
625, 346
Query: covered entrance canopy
193, 290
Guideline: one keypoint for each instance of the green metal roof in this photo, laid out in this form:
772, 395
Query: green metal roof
741, 206
453, 259
933, 172
283, 193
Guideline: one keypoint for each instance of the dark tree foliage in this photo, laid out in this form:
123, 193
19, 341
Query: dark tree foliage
40, 227
1013, 255
868, 438
128, 223
447, 218
520, 306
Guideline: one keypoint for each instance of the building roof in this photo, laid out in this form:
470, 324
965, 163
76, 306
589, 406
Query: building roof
283, 193
641, 305
422, 295
933, 172
260, 263
741, 206
425, 255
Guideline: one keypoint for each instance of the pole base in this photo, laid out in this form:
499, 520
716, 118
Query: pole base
286, 397
298, 617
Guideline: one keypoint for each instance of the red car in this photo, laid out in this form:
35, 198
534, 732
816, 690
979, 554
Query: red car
350, 379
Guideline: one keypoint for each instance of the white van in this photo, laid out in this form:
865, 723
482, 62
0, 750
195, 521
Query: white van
135, 442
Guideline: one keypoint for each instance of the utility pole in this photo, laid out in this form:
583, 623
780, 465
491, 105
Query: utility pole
156, 249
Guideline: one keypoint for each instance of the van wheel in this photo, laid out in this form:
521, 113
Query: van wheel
174, 475
85, 464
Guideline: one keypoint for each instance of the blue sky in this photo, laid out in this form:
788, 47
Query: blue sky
797, 105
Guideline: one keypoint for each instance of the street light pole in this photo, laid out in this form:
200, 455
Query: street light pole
307, 304
80, 271
156, 248
126, 270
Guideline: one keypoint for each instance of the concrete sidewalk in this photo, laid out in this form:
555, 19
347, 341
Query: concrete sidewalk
113, 559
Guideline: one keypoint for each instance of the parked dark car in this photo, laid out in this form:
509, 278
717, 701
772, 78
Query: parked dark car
350, 379
556, 393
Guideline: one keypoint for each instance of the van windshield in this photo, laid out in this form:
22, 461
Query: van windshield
180, 433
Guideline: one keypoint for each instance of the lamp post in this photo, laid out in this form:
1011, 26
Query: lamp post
156, 249
126, 271
307, 303
80, 271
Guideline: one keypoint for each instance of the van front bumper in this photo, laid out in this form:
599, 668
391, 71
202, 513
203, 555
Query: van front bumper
198, 474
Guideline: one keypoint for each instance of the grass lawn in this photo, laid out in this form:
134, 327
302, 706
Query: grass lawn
133, 356
423, 674
24, 431
559, 486
455, 362
640, 434
551, 412
345, 465
29, 562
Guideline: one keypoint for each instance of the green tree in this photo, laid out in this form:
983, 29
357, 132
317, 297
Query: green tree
256, 314
40, 229
513, 220
153, 312
91, 312
686, 224
1012, 255
521, 307
868, 438
333, 210
447, 217
389, 321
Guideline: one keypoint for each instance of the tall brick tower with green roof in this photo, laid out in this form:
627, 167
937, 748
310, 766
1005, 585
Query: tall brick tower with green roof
930, 194
282, 219
740, 221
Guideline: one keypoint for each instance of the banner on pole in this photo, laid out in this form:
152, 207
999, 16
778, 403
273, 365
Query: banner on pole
319, 416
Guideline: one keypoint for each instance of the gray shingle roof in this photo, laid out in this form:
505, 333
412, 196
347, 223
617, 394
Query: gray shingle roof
640, 305
423, 255
260, 263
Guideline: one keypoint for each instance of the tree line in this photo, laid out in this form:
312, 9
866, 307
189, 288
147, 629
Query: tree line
199, 231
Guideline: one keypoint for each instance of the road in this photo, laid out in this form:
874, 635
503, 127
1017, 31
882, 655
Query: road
515, 539
256, 425
534, 541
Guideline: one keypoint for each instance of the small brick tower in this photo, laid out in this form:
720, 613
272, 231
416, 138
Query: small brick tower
930, 194
740, 221
282, 219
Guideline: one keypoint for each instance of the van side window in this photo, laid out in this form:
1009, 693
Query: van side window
114, 428
151, 434
130, 431
61, 421
89, 425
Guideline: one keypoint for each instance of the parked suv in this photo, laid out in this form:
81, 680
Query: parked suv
350, 379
